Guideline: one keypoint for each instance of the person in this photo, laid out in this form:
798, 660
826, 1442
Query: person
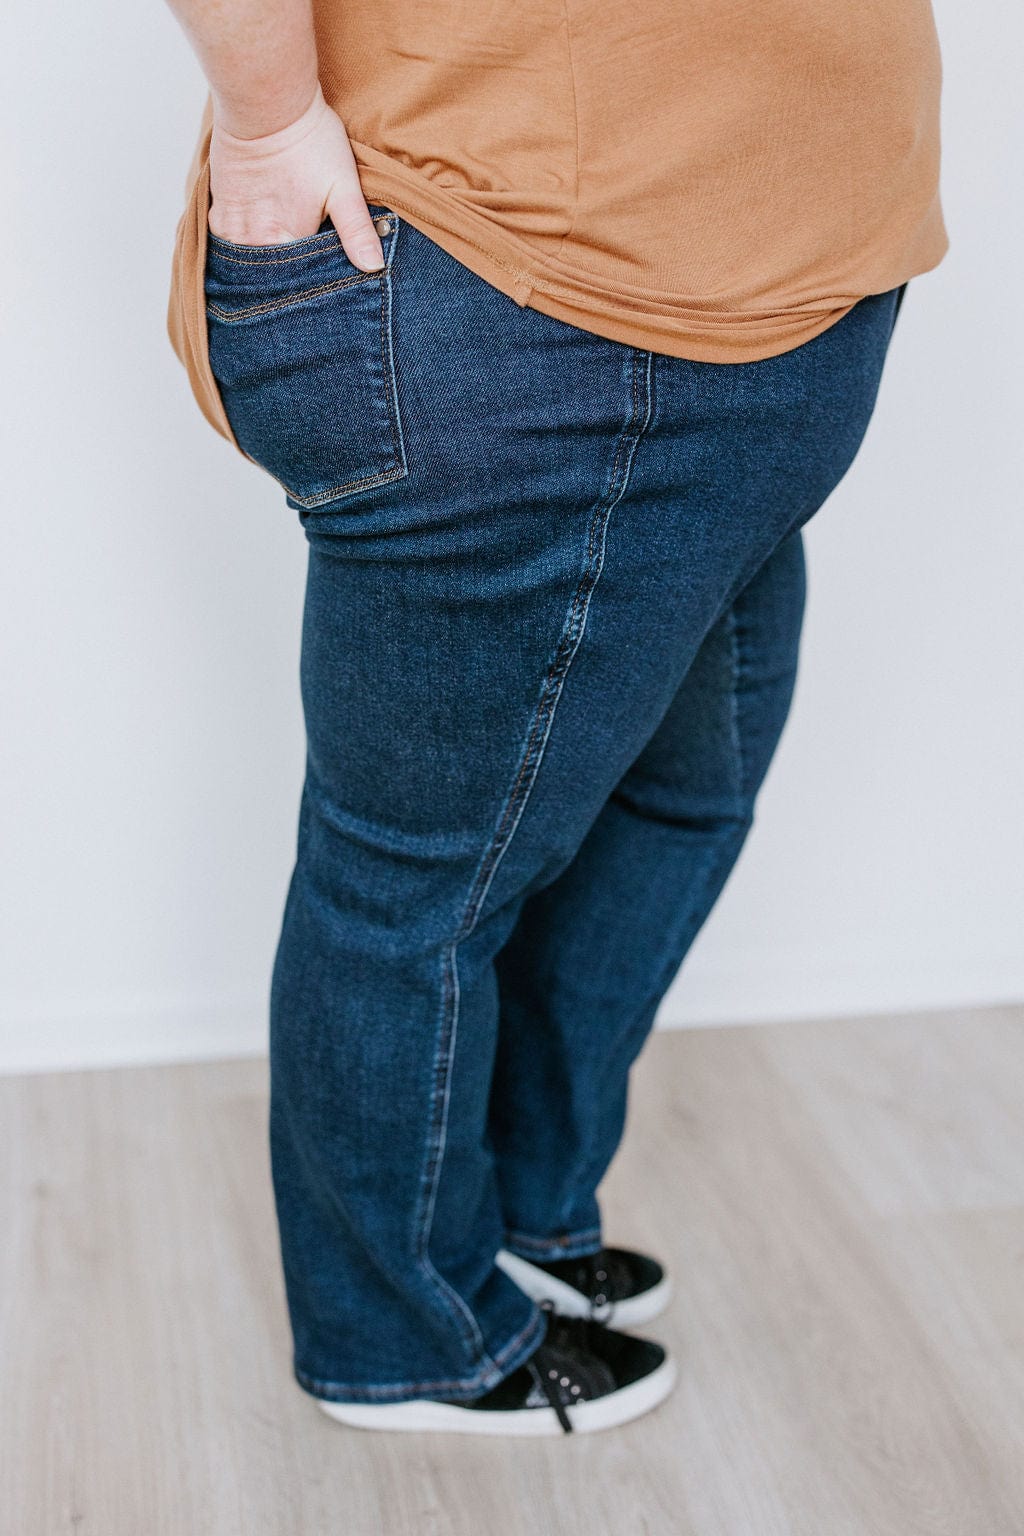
555, 323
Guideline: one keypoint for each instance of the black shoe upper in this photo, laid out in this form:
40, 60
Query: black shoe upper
578, 1361
606, 1277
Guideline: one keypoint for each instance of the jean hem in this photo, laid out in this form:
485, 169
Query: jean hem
567, 1245
501, 1364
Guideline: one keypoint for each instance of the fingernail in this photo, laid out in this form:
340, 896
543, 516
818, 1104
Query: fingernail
370, 256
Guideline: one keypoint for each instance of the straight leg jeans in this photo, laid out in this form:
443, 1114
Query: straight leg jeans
554, 600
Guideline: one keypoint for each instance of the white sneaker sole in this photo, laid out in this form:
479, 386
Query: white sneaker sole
536, 1282
427, 1417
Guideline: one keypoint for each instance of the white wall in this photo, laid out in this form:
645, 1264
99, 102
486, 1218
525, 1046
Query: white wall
151, 751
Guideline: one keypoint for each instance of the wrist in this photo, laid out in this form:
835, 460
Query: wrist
268, 129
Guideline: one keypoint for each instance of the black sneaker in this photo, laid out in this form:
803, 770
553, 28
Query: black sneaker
583, 1377
614, 1286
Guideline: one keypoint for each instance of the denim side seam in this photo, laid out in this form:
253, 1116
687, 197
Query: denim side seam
736, 735
510, 816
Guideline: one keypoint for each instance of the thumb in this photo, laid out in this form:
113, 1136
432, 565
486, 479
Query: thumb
351, 218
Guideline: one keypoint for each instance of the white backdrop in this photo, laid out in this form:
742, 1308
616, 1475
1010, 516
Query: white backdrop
151, 587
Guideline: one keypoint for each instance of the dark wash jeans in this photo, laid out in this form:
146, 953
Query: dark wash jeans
554, 600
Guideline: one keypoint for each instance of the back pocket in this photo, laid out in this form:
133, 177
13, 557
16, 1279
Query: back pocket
301, 348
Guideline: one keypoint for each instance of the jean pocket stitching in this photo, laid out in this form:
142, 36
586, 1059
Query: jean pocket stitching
366, 483
285, 301
397, 469
311, 245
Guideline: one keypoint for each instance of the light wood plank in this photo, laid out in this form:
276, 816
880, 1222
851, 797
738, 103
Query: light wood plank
842, 1205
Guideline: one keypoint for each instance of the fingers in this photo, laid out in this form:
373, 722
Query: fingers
351, 218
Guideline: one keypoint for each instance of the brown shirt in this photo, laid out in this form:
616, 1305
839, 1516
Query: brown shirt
715, 179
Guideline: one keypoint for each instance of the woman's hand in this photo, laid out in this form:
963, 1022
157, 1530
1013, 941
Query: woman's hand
268, 190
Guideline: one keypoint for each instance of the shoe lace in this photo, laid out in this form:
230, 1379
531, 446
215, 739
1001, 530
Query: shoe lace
567, 1336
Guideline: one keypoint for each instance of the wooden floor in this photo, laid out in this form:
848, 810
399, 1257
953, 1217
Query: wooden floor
842, 1204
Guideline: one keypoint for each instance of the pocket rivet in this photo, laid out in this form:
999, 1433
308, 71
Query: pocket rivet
382, 226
